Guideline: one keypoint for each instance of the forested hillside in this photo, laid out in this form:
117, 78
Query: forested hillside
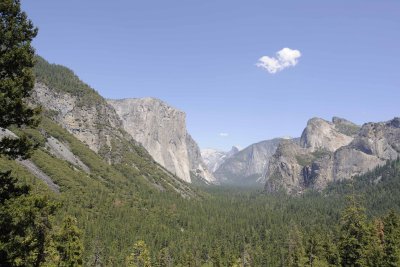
217, 228
77, 190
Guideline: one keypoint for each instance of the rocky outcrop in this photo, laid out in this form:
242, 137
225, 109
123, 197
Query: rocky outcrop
284, 167
161, 129
330, 152
248, 165
82, 112
95, 124
345, 127
38, 173
323, 135
198, 168
29, 165
62, 151
374, 145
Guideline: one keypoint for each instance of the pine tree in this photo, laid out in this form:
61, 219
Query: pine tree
164, 258
16, 76
391, 239
315, 251
295, 249
24, 219
69, 243
354, 239
140, 257
26, 227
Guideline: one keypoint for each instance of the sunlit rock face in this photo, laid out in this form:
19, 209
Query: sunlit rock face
161, 129
331, 151
247, 166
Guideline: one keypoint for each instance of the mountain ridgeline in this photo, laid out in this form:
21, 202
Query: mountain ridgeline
106, 125
326, 152
84, 114
123, 168
330, 152
246, 167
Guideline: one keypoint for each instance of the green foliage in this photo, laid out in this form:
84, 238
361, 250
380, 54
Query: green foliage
62, 79
354, 237
135, 199
16, 76
304, 160
308, 159
9, 188
347, 128
320, 153
116, 206
164, 258
391, 239
25, 230
25, 218
140, 256
69, 244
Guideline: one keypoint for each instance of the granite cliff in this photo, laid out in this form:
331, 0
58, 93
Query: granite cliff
86, 115
331, 151
161, 129
248, 165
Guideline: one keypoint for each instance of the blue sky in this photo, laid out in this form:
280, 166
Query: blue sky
201, 56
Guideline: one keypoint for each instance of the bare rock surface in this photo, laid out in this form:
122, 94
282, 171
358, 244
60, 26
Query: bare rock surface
95, 124
331, 151
161, 129
215, 158
248, 165
61, 151
35, 170
321, 134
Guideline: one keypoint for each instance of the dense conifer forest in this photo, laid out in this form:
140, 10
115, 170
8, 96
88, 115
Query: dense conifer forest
114, 215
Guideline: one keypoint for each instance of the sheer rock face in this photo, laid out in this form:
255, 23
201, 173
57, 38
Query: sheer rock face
321, 134
249, 164
374, 144
197, 165
284, 168
330, 152
161, 129
95, 124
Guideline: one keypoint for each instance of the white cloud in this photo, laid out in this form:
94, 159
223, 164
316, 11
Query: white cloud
284, 58
224, 134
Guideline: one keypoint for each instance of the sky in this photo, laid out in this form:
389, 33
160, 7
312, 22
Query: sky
243, 71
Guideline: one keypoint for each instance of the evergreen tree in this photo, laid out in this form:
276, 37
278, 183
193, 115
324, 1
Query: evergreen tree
295, 248
246, 258
25, 230
16, 76
164, 258
140, 257
69, 243
354, 239
24, 219
391, 239
315, 251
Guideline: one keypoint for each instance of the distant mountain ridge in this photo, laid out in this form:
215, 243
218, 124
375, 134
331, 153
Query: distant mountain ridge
247, 166
123, 131
214, 158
